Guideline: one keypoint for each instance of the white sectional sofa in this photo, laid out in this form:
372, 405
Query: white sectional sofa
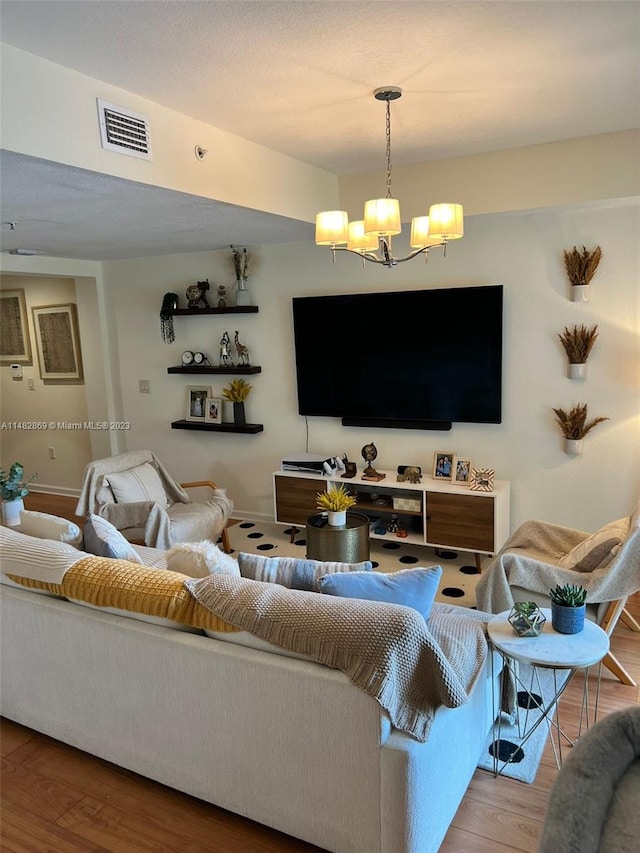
289, 743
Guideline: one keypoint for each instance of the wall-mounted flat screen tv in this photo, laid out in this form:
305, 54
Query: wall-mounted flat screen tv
420, 359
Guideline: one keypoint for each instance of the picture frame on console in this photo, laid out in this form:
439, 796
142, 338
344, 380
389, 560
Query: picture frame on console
461, 471
442, 465
197, 402
482, 479
213, 410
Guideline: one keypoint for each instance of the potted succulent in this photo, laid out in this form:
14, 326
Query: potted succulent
578, 343
13, 488
335, 502
237, 392
581, 268
568, 606
574, 427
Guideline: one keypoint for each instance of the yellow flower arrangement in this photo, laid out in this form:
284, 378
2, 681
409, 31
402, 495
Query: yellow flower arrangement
335, 500
237, 391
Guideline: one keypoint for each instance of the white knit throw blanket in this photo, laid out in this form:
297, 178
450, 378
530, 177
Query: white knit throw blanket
411, 667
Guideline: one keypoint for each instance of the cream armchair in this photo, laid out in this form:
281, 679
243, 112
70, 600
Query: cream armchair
139, 497
540, 555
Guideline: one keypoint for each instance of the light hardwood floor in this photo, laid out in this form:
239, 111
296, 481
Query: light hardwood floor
56, 798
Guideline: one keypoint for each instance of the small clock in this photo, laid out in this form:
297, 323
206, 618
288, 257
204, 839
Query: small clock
187, 357
198, 358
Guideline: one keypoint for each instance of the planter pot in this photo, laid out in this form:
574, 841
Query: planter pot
243, 297
573, 446
580, 292
567, 620
577, 371
526, 619
239, 417
11, 512
337, 519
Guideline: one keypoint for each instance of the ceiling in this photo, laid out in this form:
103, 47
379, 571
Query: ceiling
297, 77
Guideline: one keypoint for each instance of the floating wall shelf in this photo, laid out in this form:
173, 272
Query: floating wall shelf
251, 429
239, 309
197, 368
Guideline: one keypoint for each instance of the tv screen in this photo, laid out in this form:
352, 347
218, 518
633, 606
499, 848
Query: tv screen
416, 359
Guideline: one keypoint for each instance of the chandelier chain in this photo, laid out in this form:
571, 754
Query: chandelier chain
388, 131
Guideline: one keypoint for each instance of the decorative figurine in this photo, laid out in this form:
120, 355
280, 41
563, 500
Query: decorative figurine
350, 468
225, 351
393, 526
197, 293
242, 351
369, 453
222, 296
409, 474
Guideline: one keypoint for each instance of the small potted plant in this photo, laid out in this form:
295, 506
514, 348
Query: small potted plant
13, 488
237, 392
568, 606
526, 619
574, 427
335, 502
581, 268
578, 343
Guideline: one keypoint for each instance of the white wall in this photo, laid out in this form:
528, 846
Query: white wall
47, 402
521, 251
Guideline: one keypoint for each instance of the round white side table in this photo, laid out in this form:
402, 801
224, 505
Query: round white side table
550, 650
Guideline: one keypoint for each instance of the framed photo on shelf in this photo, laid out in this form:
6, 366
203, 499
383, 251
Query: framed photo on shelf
442, 464
197, 402
58, 343
461, 470
213, 410
482, 479
15, 343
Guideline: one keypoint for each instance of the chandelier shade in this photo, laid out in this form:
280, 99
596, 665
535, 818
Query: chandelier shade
371, 237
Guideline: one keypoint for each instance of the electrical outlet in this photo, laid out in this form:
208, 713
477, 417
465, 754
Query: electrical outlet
145, 386
52, 453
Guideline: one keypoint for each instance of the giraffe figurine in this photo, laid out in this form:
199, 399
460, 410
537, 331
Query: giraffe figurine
242, 351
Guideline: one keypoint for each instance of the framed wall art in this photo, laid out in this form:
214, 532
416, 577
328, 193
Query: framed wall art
482, 479
442, 464
58, 343
15, 343
461, 471
197, 402
213, 410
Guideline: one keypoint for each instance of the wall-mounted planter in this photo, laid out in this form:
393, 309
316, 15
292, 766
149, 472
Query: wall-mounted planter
573, 446
577, 371
580, 292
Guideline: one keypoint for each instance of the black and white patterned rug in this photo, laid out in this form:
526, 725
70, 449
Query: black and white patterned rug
459, 572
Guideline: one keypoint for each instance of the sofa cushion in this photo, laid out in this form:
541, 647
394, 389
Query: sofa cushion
104, 540
141, 483
46, 526
118, 585
39, 559
412, 587
199, 559
292, 572
597, 550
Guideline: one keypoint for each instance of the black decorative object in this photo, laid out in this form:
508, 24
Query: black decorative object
239, 417
197, 293
169, 305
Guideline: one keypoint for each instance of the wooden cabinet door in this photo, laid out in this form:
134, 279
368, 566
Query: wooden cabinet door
462, 521
296, 499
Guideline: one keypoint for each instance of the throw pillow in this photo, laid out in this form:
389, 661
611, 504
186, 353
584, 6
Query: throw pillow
104, 540
412, 587
199, 559
292, 572
46, 526
597, 550
141, 483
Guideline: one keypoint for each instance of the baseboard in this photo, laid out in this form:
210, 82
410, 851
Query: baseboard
54, 490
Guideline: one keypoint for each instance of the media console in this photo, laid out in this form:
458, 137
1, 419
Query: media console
445, 516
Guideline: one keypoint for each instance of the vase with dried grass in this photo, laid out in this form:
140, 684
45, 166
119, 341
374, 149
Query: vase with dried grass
578, 343
574, 427
581, 268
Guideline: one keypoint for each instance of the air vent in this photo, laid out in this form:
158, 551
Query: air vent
124, 131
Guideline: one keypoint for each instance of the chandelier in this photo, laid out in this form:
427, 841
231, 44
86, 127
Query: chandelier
371, 237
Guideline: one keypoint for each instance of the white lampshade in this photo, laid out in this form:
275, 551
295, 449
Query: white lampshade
446, 220
382, 217
332, 227
358, 240
420, 237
